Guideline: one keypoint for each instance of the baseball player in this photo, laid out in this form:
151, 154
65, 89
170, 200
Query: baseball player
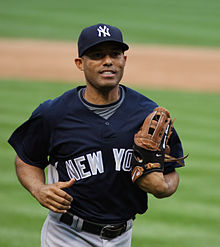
86, 139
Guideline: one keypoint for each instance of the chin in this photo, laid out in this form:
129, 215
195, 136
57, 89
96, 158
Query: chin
105, 86
108, 87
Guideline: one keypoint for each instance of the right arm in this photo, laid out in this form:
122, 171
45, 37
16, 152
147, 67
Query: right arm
50, 196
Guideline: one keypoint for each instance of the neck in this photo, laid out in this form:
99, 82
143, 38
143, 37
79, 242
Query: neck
101, 97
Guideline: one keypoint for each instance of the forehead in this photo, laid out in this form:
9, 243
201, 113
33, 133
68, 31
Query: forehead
105, 46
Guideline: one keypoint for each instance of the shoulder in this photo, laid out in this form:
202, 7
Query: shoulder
139, 101
55, 108
63, 100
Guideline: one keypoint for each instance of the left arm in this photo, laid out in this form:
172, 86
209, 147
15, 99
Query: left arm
158, 184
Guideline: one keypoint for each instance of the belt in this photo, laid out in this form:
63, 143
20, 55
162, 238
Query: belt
105, 231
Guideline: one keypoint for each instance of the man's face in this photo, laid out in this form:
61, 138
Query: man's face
103, 65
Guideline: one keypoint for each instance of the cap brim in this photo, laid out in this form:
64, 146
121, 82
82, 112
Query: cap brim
124, 46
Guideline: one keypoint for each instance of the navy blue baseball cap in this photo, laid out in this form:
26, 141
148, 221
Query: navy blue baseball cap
97, 34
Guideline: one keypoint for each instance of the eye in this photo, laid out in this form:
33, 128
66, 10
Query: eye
116, 54
95, 55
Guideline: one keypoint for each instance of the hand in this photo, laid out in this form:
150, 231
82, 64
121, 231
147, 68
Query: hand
53, 197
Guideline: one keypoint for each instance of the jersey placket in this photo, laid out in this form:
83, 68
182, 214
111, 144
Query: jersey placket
107, 132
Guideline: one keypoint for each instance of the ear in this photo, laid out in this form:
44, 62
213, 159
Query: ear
79, 63
125, 58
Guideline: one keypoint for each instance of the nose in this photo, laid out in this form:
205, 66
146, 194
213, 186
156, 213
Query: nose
107, 60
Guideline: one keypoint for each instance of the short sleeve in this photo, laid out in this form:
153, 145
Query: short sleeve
176, 151
31, 140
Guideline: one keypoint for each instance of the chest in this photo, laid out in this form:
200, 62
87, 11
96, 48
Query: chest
78, 135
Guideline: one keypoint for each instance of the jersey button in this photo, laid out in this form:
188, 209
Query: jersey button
106, 123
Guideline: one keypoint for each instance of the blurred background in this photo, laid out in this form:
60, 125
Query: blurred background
174, 59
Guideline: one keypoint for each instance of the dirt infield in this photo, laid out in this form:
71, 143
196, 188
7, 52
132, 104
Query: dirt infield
180, 68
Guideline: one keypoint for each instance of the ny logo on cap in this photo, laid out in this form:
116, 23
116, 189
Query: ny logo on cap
103, 31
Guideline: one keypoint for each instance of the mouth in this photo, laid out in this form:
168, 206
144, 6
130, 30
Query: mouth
107, 72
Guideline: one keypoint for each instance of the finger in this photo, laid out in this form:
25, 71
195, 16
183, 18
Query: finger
61, 193
67, 184
56, 210
61, 200
58, 206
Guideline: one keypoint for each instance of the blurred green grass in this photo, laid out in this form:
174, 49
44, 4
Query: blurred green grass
188, 22
188, 218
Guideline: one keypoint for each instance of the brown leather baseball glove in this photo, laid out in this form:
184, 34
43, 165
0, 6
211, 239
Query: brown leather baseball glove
150, 144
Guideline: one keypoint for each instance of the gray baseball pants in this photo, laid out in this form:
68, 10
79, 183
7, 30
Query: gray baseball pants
57, 234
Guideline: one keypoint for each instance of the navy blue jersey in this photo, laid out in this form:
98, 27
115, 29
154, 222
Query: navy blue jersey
80, 144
